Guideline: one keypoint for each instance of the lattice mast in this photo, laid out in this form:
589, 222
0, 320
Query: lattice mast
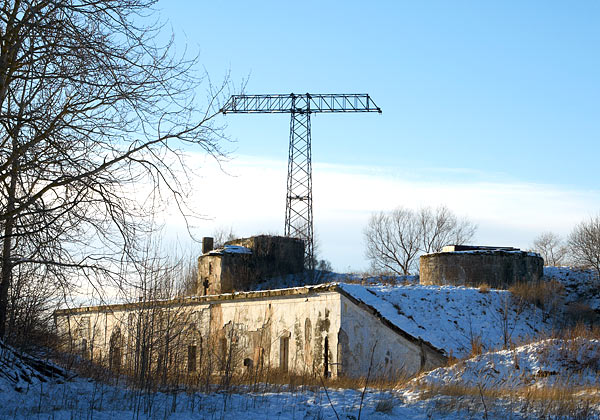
298, 204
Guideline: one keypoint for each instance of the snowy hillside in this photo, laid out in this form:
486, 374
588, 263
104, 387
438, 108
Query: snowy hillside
580, 285
570, 363
451, 318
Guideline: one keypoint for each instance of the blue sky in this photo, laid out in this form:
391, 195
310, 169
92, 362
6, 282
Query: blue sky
473, 93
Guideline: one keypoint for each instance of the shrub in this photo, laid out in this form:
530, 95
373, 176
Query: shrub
476, 345
544, 294
385, 405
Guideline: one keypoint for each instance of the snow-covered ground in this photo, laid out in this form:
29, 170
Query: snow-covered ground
450, 318
31, 388
552, 362
453, 318
62, 397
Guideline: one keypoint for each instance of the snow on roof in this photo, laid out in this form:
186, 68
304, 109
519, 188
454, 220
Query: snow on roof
574, 362
449, 317
231, 249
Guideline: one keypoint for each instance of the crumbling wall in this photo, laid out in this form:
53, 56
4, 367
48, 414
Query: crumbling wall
220, 271
209, 275
274, 255
498, 269
279, 332
297, 330
367, 344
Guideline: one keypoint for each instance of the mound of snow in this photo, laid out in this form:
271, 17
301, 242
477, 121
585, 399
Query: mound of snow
18, 370
573, 363
452, 318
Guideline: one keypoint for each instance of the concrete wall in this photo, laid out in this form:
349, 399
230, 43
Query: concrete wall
321, 332
209, 275
364, 340
254, 331
498, 269
223, 272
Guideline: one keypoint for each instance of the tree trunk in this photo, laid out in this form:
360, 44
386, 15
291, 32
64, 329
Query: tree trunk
6, 273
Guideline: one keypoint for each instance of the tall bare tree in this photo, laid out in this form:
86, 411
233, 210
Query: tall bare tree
91, 104
441, 227
552, 248
222, 235
584, 244
394, 240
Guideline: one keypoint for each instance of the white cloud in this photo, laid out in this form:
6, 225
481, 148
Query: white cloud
250, 198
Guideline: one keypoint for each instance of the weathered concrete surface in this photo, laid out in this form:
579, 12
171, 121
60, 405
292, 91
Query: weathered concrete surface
366, 343
316, 330
497, 268
221, 271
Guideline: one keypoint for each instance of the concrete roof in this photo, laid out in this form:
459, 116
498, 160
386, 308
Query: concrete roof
191, 300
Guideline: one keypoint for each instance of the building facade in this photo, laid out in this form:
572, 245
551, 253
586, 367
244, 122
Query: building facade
317, 330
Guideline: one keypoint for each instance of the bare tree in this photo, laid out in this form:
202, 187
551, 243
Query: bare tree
441, 227
90, 105
552, 248
392, 240
395, 239
222, 235
584, 244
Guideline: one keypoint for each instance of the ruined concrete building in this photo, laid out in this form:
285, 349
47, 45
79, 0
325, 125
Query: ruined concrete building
325, 330
320, 330
242, 263
467, 265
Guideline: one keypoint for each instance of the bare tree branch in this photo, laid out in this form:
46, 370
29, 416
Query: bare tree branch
91, 106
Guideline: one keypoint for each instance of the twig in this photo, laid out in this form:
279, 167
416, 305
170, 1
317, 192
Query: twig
485, 412
362, 396
329, 399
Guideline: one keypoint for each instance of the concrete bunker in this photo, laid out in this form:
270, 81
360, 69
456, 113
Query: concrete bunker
242, 263
467, 265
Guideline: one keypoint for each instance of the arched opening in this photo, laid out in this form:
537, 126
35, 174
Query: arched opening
284, 353
114, 352
191, 362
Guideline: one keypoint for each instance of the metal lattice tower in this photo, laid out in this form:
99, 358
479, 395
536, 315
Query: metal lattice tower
298, 207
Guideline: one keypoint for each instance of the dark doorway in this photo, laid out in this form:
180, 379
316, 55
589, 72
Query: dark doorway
191, 358
284, 353
326, 358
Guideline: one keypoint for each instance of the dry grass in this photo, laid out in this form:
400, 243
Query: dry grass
476, 346
556, 401
484, 288
275, 378
577, 312
386, 404
544, 294
546, 402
